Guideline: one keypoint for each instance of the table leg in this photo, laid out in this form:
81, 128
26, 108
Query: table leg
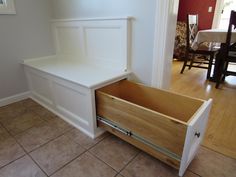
219, 60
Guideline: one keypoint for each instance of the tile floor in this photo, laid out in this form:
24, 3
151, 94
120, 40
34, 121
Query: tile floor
36, 143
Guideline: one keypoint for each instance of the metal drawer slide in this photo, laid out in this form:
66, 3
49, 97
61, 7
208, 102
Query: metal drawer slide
139, 138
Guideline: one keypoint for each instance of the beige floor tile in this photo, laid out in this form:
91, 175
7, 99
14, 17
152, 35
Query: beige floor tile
119, 175
43, 112
114, 152
23, 167
22, 122
84, 140
146, 166
56, 154
11, 111
86, 166
47, 115
190, 174
9, 151
60, 124
28, 103
3, 134
37, 136
208, 163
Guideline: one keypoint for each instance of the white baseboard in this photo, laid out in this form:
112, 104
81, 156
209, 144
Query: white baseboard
14, 98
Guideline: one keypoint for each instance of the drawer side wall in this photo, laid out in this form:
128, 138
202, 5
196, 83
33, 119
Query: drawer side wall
174, 105
151, 125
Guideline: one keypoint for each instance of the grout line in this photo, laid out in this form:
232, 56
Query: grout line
119, 174
27, 129
10, 136
131, 160
102, 161
192, 172
25, 151
13, 161
37, 165
26, 154
89, 137
46, 142
99, 141
73, 159
86, 150
29, 153
24, 112
106, 162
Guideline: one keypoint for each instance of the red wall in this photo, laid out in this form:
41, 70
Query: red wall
199, 7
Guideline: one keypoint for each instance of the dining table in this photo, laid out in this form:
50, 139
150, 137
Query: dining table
213, 36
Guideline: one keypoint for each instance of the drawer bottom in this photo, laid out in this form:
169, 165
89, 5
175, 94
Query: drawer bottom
141, 143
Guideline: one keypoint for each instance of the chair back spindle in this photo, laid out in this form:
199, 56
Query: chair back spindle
192, 29
207, 55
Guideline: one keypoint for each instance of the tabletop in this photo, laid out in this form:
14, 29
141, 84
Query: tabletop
212, 35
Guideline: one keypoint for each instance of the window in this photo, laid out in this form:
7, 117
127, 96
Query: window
7, 7
225, 14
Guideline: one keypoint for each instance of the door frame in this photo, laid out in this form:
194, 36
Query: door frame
164, 39
217, 15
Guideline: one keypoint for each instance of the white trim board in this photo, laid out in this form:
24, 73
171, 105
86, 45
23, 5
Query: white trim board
93, 19
14, 98
165, 27
217, 13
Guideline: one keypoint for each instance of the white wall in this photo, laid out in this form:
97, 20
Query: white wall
24, 35
143, 25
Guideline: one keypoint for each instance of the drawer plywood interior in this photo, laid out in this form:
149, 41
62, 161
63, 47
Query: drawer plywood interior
156, 117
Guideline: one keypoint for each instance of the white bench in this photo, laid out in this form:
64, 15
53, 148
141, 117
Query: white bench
90, 53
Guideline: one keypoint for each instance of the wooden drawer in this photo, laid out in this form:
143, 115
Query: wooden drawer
164, 124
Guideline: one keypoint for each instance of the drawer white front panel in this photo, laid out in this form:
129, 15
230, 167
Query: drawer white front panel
71, 102
198, 130
194, 137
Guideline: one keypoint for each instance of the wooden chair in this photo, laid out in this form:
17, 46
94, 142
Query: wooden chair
207, 53
228, 53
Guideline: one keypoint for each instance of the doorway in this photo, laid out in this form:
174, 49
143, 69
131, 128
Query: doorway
222, 13
220, 134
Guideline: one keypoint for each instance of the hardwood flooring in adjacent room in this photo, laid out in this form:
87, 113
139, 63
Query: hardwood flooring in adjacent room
221, 131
